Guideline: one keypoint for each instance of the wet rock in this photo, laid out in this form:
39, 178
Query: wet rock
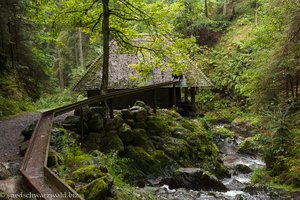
126, 114
96, 123
113, 124
234, 184
72, 123
242, 169
97, 189
4, 172
195, 179
244, 128
23, 147
28, 131
139, 113
126, 133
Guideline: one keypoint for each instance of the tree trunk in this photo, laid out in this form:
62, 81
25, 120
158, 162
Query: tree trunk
206, 9
12, 56
105, 32
60, 70
297, 83
256, 14
76, 54
224, 8
81, 60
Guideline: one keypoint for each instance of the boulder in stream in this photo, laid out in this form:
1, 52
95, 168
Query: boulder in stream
195, 179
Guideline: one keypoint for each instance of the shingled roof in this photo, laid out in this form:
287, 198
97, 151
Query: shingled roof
120, 73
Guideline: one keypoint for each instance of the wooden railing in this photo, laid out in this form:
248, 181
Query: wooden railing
44, 183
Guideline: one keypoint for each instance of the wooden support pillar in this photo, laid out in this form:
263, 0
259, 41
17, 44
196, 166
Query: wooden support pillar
81, 125
111, 108
186, 94
193, 96
154, 101
174, 95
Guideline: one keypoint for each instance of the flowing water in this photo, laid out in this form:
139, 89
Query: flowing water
236, 184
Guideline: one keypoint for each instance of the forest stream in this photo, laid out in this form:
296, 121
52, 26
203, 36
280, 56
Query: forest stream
241, 166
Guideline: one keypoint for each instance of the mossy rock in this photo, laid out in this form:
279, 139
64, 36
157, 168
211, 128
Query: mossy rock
71, 123
81, 160
100, 110
140, 114
140, 103
126, 133
71, 183
23, 147
248, 146
130, 122
179, 150
113, 124
111, 142
87, 173
54, 158
92, 140
141, 125
96, 123
87, 112
166, 162
142, 160
126, 114
158, 126
98, 189
223, 133
140, 137
221, 116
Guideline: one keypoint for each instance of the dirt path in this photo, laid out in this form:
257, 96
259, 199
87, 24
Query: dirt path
10, 130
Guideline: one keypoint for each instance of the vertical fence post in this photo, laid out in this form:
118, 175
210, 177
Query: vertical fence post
186, 94
81, 125
111, 108
154, 101
174, 95
193, 96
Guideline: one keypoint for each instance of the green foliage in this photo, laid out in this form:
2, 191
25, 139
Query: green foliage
10, 106
48, 101
281, 148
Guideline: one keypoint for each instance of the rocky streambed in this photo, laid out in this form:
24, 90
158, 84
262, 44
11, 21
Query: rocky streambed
238, 186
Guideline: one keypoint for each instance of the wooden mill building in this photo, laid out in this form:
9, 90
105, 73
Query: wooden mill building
120, 78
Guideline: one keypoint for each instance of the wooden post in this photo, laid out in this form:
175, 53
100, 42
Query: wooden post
111, 108
154, 101
186, 94
174, 95
193, 96
81, 124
